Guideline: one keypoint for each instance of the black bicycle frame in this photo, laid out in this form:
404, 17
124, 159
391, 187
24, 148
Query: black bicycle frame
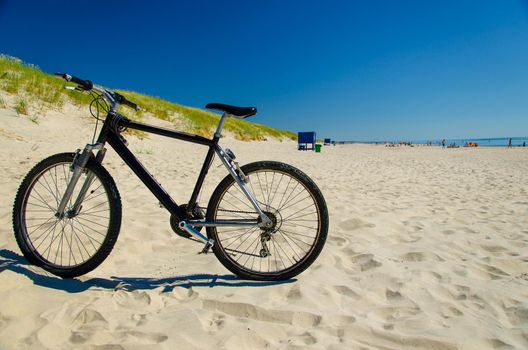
110, 133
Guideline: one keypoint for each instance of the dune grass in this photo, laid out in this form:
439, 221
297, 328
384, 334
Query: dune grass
36, 87
21, 107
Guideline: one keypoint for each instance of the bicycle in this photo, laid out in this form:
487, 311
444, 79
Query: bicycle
264, 221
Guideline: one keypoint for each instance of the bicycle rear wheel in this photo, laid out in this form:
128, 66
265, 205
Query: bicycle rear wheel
75, 243
300, 222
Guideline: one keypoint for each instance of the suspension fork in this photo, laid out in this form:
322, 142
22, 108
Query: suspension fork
78, 165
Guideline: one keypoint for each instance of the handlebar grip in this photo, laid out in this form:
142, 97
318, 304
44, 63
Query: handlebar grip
122, 100
84, 84
131, 105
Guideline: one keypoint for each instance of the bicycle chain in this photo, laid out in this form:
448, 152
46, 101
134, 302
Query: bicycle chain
232, 211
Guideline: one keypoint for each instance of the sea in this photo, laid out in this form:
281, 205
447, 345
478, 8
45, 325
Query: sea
482, 142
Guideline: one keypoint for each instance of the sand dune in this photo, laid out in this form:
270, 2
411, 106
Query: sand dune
427, 249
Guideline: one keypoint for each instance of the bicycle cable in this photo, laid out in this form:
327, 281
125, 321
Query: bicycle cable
100, 104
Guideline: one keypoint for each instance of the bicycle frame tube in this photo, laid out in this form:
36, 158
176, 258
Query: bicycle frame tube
115, 140
211, 143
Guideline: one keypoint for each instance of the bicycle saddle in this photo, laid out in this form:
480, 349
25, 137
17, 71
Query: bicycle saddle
242, 112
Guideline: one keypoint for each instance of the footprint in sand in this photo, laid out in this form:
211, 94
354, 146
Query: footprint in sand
217, 322
304, 339
355, 224
459, 292
518, 315
493, 248
139, 319
244, 310
346, 291
294, 293
145, 338
499, 344
493, 272
340, 241
366, 261
88, 316
449, 311
392, 295
420, 256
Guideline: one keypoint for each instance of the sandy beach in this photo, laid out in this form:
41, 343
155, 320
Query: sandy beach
427, 249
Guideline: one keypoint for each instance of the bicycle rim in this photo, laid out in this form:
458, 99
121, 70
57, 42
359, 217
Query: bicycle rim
73, 239
294, 211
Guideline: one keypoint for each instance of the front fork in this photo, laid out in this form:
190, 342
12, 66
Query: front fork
79, 163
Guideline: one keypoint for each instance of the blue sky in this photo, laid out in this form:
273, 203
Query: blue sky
350, 70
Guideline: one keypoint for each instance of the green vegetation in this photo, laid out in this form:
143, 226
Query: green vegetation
22, 79
21, 107
204, 123
27, 80
2, 103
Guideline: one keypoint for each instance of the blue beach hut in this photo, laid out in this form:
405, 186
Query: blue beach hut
306, 141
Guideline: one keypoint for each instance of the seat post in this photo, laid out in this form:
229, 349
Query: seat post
218, 132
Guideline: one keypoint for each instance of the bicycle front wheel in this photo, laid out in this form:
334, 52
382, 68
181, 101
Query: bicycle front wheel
74, 243
297, 209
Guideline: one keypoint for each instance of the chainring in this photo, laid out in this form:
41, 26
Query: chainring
197, 214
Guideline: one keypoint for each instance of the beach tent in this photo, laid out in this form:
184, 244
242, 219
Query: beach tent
306, 141
327, 141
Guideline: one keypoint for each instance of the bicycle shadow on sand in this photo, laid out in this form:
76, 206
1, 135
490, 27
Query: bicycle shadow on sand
16, 263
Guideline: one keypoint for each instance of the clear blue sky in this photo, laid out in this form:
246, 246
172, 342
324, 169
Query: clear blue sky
350, 70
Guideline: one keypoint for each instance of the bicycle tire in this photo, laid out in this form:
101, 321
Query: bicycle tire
20, 216
226, 256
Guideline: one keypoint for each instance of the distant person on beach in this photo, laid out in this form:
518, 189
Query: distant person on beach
443, 143
524, 144
510, 143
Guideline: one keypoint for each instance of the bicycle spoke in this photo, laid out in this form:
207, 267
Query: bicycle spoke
42, 200
92, 222
91, 239
96, 206
286, 190
71, 243
66, 241
53, 238
300, 200
251, 245
278, 186
249, 234
84, 225
39, 225
48, 188
287, 234
96, 216
79, 240
47, 233
285, 223
275, 244
289, 203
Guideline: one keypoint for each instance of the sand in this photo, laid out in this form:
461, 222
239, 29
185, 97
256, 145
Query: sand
427, 249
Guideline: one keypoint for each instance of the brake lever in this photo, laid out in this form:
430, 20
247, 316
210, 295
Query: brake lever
75, 88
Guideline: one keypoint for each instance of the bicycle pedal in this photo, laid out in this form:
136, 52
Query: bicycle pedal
207, 246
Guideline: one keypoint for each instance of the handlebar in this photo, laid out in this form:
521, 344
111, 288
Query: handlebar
84, 84
122, 100
87, 85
